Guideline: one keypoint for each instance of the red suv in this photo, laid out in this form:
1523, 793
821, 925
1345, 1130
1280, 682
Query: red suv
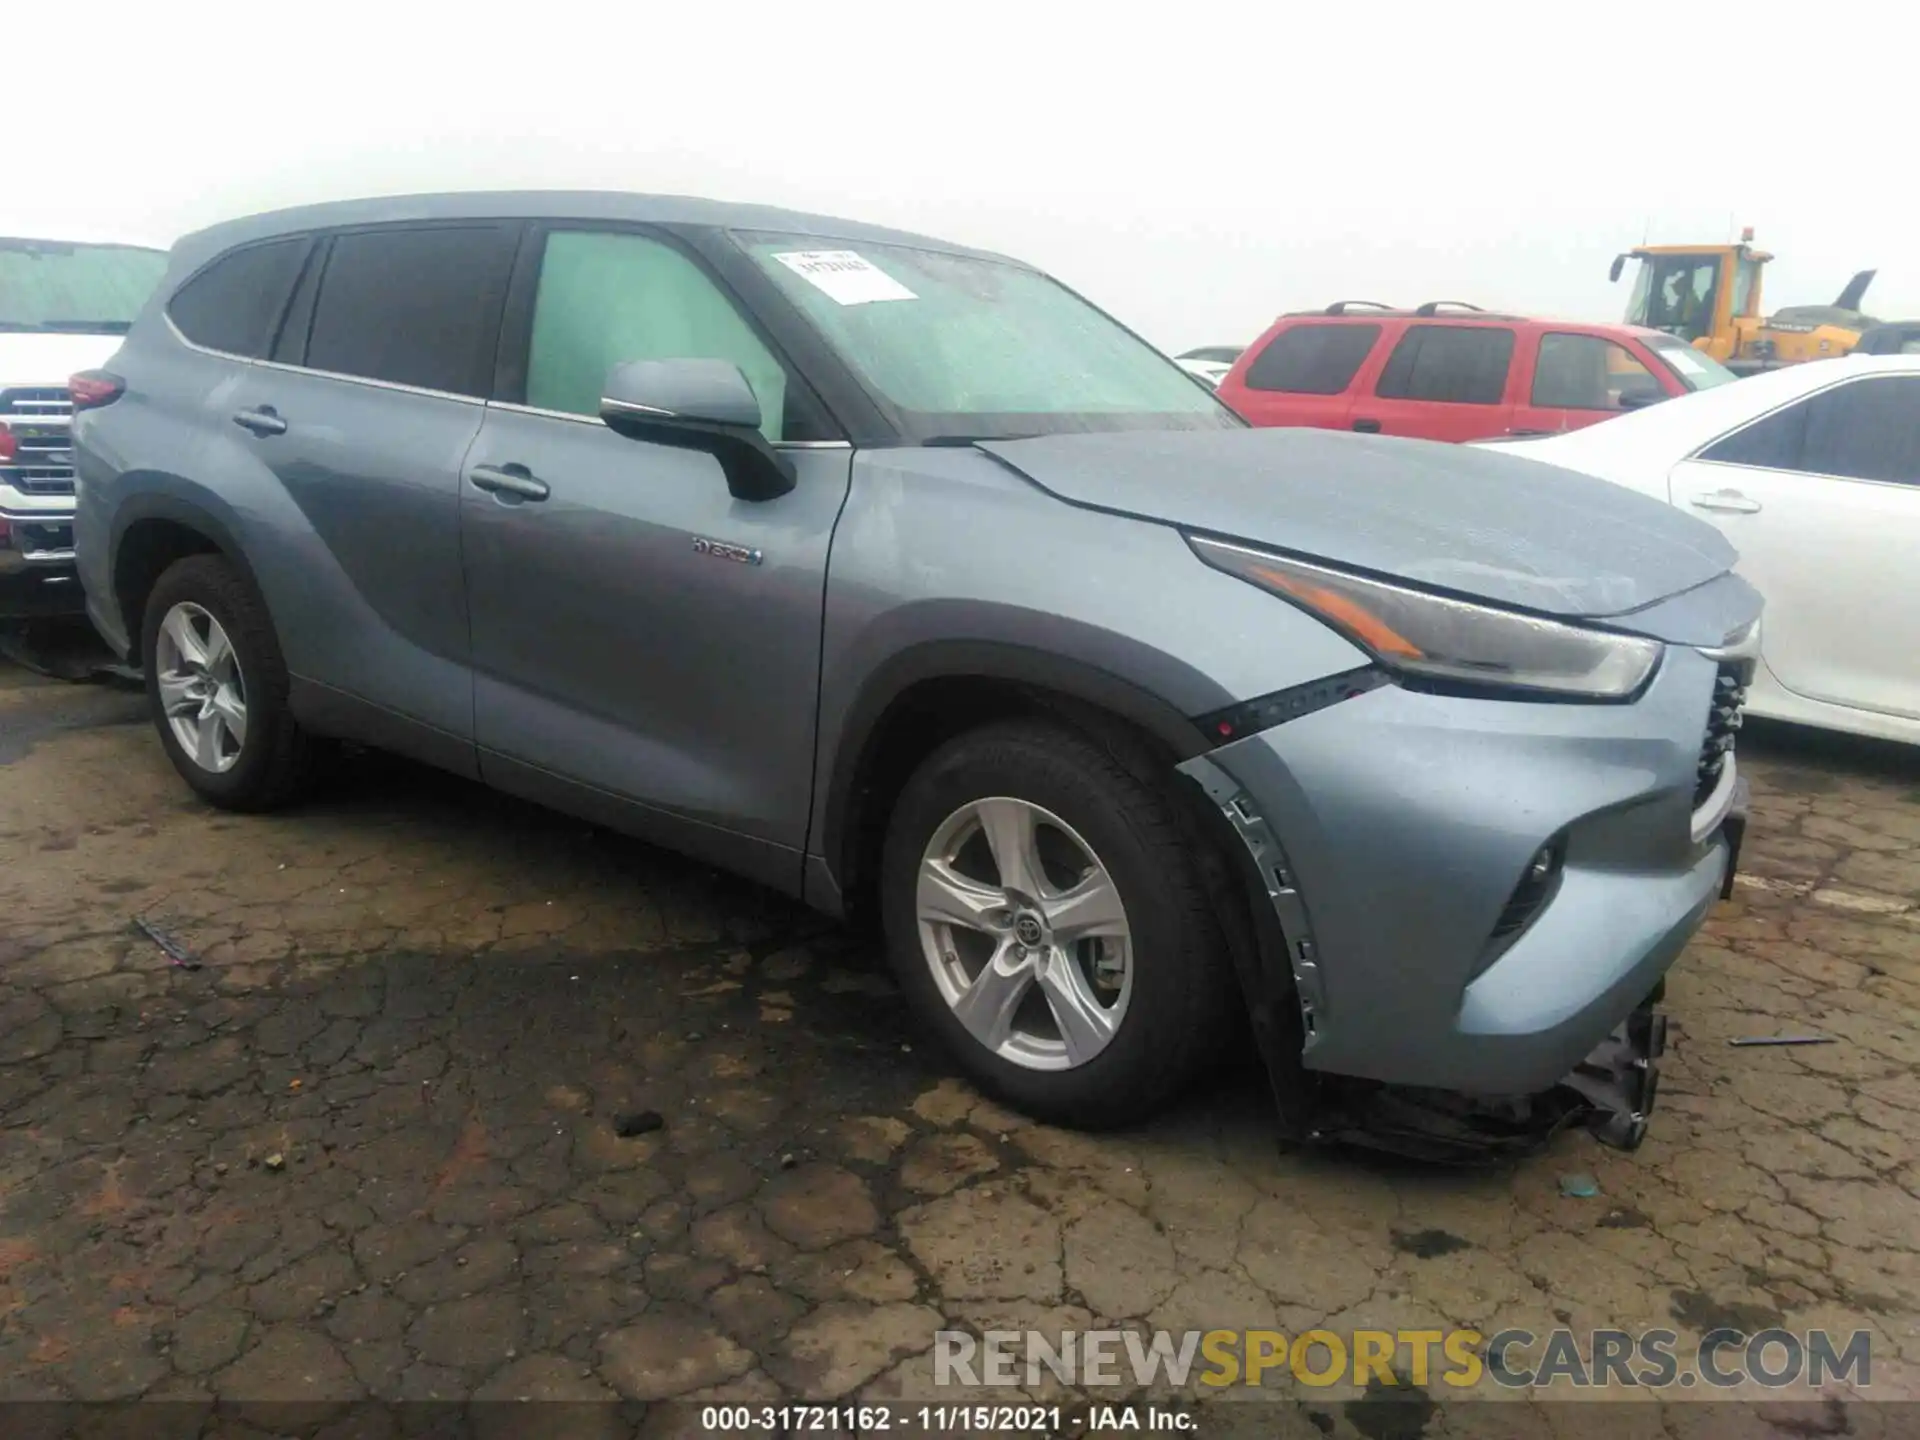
1455, 372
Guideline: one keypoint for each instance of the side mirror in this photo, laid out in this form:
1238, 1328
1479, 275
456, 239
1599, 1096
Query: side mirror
1619, 266
698, 405
1639, 399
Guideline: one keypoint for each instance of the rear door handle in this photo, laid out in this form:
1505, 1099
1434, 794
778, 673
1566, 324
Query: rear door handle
509, 480
1367, 427
263, 421
1731, 501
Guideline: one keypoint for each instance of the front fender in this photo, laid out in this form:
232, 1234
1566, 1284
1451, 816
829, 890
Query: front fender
946, 564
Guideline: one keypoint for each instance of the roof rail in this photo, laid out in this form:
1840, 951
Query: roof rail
1340, 307
1433, 307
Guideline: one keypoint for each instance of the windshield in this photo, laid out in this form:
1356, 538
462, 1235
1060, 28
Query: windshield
957, 347
54, 286
1694, 369
1675, 293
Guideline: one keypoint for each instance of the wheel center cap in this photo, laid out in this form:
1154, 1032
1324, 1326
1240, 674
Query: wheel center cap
1029, 931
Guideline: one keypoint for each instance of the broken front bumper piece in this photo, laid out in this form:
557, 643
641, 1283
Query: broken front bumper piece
1611, 1093
1622, 1077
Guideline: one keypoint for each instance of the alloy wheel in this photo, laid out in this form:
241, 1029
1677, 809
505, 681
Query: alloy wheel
203, 692
1025, 933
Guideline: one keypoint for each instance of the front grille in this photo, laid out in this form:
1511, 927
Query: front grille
41, 420
1723, 724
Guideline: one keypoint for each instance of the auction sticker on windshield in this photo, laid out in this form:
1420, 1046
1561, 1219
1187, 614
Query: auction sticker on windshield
844, 276
1683, 361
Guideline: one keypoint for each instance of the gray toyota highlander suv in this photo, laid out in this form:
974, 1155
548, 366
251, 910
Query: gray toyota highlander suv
896, 576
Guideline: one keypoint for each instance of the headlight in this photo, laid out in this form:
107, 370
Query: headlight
1436, 638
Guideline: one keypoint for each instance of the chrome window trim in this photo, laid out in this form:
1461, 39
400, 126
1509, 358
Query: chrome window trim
516, 409
282, 366
543, 413
1826, 475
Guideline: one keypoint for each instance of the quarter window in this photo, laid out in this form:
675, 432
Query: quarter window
234, 305
1312, 359
607, 298
1586, 372
1453, 364
416, 306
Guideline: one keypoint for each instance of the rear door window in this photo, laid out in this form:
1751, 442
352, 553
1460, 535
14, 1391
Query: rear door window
1586, 372
417, 306
1866, 430
1863, 430
1312, 359
234, 305
1450, 364
1773, 442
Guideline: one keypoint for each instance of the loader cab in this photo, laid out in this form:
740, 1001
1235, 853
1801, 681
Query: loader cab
1695, 293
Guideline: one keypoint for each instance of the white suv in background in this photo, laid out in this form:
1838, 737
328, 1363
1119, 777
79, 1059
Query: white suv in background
64, 306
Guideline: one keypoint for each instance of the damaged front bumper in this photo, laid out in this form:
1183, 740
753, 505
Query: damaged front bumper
1379, 1024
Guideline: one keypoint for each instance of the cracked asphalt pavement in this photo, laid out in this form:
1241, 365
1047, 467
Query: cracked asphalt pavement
372, 1146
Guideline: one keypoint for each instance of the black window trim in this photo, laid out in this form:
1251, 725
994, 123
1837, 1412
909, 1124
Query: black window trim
509, 380
1533, 385
220, 257
319, 251
1407, 333
1698, 454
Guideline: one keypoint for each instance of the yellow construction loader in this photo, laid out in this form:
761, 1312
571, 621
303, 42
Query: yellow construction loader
1709, 296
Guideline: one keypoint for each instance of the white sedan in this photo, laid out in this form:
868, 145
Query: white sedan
1813, 472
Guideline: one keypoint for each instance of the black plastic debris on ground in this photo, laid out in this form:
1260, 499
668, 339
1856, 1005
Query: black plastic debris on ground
175, 951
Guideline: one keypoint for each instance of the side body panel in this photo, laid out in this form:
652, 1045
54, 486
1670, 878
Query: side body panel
1832, 555
355, 533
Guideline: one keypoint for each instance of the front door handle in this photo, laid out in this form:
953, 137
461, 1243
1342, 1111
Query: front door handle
508, 480
1367, 427
263, 421
1731, 501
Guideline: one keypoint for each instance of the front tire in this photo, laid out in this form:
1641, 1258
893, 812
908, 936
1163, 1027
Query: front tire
1045, 917
217, 687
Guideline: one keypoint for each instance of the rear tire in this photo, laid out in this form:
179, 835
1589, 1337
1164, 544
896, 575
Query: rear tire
1126, 987
217, 687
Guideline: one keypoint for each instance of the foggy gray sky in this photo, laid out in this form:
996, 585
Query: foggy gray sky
1195, 168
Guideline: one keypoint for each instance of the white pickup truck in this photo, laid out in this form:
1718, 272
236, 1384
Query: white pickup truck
64, 304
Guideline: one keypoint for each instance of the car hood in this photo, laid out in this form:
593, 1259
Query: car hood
1475, 522
41, 360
